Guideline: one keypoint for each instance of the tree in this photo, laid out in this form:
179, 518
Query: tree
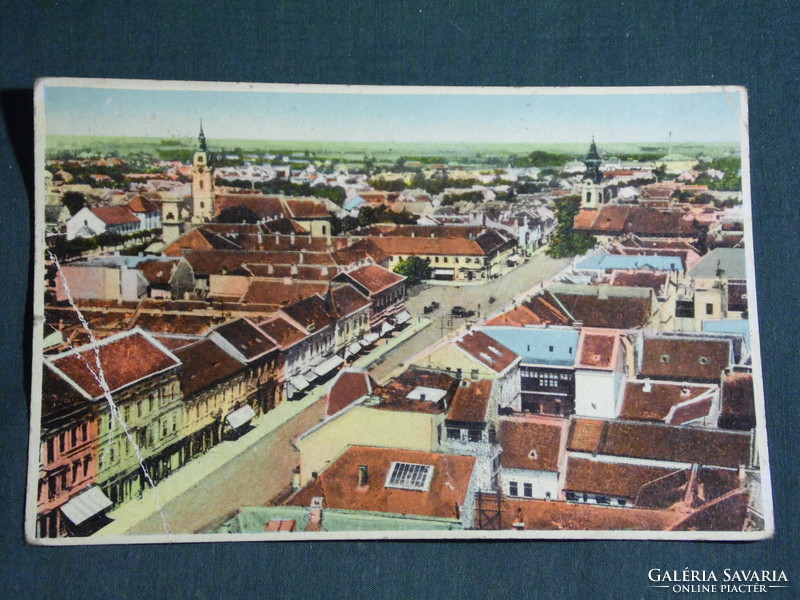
74, 201
238, 214
566, 241
414, 268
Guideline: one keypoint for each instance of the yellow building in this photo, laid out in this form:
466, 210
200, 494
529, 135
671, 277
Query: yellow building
406, 413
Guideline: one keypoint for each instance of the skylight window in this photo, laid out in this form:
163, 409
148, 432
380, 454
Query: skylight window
409, 476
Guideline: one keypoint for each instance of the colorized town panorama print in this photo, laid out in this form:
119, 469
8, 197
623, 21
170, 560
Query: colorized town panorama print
311, 312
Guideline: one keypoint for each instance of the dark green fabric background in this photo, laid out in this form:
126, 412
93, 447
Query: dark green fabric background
421, 43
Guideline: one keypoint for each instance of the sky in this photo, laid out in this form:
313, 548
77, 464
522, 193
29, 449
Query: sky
416, 115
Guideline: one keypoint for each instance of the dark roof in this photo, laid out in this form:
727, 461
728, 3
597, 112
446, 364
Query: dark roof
346, 300
282, 331
613, 479
393, 393
471, 402
124, 359
157, 271
205, 364
531, 444
281, 293
728, 513
738, 409
246, 338
61, 402
660, 442
640, 279
685, 359
311, 313
617, 312
655, 405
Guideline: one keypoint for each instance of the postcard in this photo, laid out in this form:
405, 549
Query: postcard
303, 312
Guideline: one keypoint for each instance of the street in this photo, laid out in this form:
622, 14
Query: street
265, 469
524, 278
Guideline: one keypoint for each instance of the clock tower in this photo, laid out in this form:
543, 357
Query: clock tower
202, 183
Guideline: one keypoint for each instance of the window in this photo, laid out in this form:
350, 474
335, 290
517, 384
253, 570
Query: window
444, 259
62, 439
703, 360
453, 433
474, 435
409, 476
665, 358
684, 308
709, 309
527, 490
86, 462
324, 230
84, 431
51, 450
75, 466
74, 434
513, 488
622, 502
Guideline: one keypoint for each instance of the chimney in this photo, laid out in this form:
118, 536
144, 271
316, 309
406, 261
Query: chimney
301, 257
413, 234
291, 238
270, 269
293, 270
315, 511
647, 387
277, 238
363, 475
433, 235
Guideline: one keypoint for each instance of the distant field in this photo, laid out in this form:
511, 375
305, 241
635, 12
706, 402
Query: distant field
355, 151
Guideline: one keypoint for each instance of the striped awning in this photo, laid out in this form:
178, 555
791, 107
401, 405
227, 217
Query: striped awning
240, 416
370, 338
86, 505
326, 366
403, 317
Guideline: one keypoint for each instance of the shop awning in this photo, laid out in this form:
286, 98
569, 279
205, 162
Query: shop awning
354, 348
370, 338
444, 271
240, 416
326, 366
386, 327
298, 382
514, 258
86, 505
403, 317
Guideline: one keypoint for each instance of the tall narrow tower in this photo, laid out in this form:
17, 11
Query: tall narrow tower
202, 183
591, 188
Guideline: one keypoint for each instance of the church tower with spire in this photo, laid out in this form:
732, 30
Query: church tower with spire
202, 182
591, 187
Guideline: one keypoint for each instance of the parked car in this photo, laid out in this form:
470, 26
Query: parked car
461, 312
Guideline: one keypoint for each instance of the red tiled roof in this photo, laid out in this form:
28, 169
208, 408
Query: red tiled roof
585, 218
205, 364
471, 402
428, 246
268, 207
139, 204
613, 479
691, 412
660, 442
531, 445
338, 484
157, 271
689, 359
487, 351
307, 209
393, 394
280, 293
123, 360
361, 250
597, 350
115, 215
656, 404
348, 387
728, 513
638, 279
547, 515
375, 278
